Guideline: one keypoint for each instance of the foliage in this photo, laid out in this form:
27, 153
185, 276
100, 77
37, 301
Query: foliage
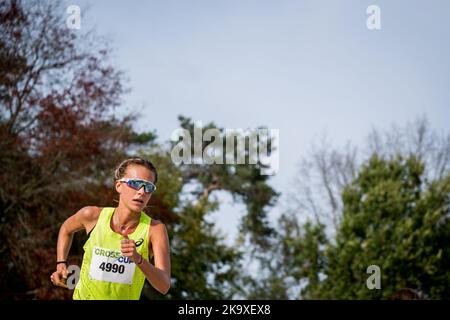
392, 218
60, 141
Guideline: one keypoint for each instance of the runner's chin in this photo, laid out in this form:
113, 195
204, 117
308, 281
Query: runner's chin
137, 204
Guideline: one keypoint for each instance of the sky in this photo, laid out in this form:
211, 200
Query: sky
306, 68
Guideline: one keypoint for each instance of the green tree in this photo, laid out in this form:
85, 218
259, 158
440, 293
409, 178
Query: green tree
392, 218
397, 221
390, 210
243, 181
203, 266
245, 184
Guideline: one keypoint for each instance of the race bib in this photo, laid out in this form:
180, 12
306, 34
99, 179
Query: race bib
110, 266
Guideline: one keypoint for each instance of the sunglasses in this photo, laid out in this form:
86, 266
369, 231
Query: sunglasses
137, 184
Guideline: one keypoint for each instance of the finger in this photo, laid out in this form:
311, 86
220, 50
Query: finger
56, 277
128, 245
127, 254
124, 234
127, 250
56, 280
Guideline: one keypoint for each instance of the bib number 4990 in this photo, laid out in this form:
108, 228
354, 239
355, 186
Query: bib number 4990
112, 267
109, 265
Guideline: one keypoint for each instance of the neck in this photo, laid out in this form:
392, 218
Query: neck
124, 217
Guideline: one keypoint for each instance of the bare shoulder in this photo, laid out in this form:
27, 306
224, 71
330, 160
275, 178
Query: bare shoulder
88, 217
89, 214
159, 239
157, 229
85, 218
156, 223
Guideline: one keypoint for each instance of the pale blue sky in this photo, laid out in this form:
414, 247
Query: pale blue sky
303, 67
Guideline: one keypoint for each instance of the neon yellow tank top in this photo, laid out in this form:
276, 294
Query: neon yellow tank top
106, 274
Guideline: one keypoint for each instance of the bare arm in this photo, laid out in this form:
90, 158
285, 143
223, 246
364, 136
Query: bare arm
159, 274
85, 218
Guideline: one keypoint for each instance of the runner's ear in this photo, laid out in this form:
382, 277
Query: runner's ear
118, 186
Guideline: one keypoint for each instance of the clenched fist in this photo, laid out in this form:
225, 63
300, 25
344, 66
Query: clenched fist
59, 277
128, 249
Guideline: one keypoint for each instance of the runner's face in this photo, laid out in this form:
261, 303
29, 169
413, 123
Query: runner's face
135, 200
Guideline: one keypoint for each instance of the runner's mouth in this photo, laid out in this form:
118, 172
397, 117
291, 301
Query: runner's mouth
139, 201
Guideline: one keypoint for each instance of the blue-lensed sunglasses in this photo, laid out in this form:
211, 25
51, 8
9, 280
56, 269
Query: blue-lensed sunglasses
137, 184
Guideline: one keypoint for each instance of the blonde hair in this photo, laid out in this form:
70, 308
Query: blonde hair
119, 173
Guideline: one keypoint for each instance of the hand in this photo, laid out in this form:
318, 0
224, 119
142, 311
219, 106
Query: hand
59, 277
128, 248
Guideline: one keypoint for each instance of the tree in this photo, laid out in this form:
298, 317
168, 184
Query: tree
326, 171
58, 135
392, 218
203, 266
243, 181
330, 235
245, 184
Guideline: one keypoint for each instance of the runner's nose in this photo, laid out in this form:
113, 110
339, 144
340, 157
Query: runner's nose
141, 190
